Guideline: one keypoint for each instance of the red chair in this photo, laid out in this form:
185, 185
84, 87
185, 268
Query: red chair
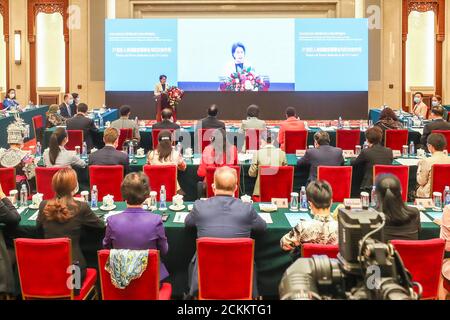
108, 180
252, 139
209, 180
125, 134
162, 175
38, 125
1, 106
8, 179
146, 287
401, 172
75, 139
44, 177
43, 270
275, 182
440, 177
295, 140
423, 259
348, 139
310, 249
155, 133
396, 139
446, 134
225, 269
203, 138
340, 179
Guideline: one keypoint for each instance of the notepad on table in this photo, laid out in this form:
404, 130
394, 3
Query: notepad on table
196, 161
34, 216
408, 162
424, 218
266, 217
180, 217
435, 214
295, 217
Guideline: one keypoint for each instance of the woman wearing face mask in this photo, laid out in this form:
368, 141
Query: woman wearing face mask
10, 101
420, 108
436, 101
54, 117
63, 216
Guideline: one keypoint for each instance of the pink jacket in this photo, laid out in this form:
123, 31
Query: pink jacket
445, 227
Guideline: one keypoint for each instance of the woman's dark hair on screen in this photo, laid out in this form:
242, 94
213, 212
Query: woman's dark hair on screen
235, 46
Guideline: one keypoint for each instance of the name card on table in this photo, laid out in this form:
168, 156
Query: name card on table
300, 153
396, 153
266, 217
425, 203
353, 203
280, 202
348, 154
180, 217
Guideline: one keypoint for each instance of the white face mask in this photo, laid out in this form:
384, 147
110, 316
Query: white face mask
416, 100
434, 103
70, 101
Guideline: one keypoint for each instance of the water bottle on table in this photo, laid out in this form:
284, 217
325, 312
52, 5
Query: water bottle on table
38, 149
84, 151
373, 197
162, 199
101, 122
447, 196
303, 200
94, 197
412, 149
24, 196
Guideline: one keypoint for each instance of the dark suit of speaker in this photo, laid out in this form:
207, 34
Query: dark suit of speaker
109, 156
80, 122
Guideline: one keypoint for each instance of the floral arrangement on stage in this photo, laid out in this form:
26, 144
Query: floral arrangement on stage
175, 95
245, 80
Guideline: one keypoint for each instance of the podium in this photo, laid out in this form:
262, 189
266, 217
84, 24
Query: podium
162, 102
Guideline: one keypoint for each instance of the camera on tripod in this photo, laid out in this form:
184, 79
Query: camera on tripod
365, 268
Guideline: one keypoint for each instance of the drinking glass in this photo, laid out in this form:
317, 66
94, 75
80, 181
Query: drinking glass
437, 200
294, 201
365, 202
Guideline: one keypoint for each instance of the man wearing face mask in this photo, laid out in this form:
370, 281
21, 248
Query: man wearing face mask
420, 109
10, 100
67, 108
437, 123
436, 100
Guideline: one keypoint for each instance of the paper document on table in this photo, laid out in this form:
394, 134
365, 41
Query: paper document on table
21, 210
435, 214
34, 216
180, 217
419, 130
196, 161
111, 213
424, 218
408, 162
295, 217
266, 217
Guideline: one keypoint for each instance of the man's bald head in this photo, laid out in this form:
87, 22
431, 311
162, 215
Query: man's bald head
225, 181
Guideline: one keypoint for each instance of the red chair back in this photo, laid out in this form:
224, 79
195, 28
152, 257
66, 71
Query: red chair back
295, 140
165, 175
225, 268
348, 139
401, 172
203, 138
155, 133
108, 180
44, 178
446, 134
1, 106
396, 139
423, 259
38, 125
42, 266
209, 180
310, 249
75, 139
8, 179
340, 179
146, 287
440, 177
252, 139
125, 134
275, 182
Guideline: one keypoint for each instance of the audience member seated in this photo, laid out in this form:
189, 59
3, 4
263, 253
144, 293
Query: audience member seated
54, 118
420, 109
323, 229
436, 101
402, 221
16, 158
219, 153
292, 122
136, 228
436, 144
10, 102
253, 122
267, 155
64, 217
388, 121
9, 218
322, 155
445, 228
57, 156
211, 121
109, 155
124, 122
67, 108
167, 121
222, 216
438, 123
373, 155
165, 154
81, 122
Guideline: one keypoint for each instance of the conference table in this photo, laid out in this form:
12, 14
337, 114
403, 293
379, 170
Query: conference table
271, 261
27, 117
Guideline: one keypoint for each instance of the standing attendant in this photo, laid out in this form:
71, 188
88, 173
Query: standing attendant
67, 108
162, 101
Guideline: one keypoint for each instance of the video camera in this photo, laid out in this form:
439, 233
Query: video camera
365, 268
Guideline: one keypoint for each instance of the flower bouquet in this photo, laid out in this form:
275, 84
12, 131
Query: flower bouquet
245, 80
175, 95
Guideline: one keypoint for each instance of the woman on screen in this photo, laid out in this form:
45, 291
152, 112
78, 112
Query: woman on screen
239, 63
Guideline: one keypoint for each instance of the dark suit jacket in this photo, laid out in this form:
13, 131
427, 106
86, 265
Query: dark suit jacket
80, 122
221, 217
165, 124
64, 113
369, 157
438, 124
109, 156
324, 156
212, 123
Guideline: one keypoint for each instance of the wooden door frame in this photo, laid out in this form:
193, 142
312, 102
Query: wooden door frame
4, 11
